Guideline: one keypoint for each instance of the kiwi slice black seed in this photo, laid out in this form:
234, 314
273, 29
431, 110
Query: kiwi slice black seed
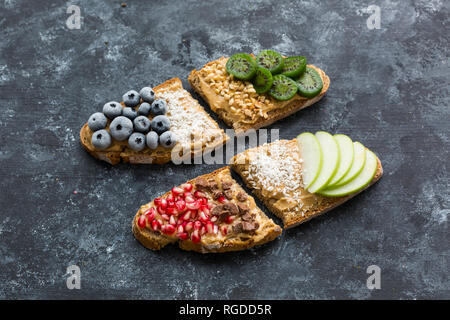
242, 66
283, 88
310, 83
263, 80
271, 60
294, 66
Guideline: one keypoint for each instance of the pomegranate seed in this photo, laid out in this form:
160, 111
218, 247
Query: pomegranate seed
189, 199
197, 225
205, 209
193, 205
170, 197
151, 216
180, 229
229, 219
172, 220
187, 187
142, 221
189, 226
224, 230
209, 227
149, 211
171, 211
214, 219
168, 229
170, 204
181, 205
176, 191
222, 199
210, 206
203, 231
165, 217
163, 203
193, 214
187, 194
203, 216
195, 237
161, 210
216, 229
183, 236
155, 225
205, 201
187, 216
198, 194
157, 202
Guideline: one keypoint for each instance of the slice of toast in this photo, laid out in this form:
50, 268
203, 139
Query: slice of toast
247, 227
236, 101
197, 132
273, 172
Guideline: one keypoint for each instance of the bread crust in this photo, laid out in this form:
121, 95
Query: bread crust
273, 116
156, 240
294, 220
161, 155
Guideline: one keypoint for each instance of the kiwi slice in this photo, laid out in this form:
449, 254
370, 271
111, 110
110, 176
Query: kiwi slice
310, 83
283, 88
294, 66
271, 60
242, 66
263, 80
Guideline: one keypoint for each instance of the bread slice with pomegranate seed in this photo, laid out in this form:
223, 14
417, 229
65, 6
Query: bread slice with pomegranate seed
228, 220
236, 101
197, 132
273, 173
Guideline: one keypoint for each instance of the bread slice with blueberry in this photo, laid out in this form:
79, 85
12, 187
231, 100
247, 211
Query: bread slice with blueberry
152, 126
275, 172
238, 104
210, 213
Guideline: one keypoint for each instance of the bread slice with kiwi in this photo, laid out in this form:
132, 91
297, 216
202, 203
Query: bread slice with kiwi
273, 172
236, 101
228, 220
197, 132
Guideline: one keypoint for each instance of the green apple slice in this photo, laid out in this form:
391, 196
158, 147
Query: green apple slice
359, 182
346, 153
330, 162
311, 155
359, 160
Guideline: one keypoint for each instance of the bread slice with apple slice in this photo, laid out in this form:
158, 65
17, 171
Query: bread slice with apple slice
295, 178
210, 213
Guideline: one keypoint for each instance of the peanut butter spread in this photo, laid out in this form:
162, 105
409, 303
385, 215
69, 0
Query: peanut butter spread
275, 170
237, 98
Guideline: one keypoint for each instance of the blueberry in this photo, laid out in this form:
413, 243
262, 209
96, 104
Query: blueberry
160, 124
130, 113
131, 98
142, 124
136, 141
147, 94
112, 109
152, 140
159, 107
121, 128
144, 108
97, 121
101, 139
168, 139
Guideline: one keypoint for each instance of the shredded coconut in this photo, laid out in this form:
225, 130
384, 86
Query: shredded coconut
275, 167
185, 120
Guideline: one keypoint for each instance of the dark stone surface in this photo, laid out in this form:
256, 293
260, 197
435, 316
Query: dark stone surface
389, 90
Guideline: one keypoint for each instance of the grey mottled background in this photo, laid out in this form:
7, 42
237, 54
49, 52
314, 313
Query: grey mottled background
389, 90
